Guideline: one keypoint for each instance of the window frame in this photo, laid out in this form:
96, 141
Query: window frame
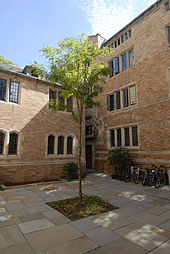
131, 63
48, 147
5, 97
68, 152
16, 144
10, 100
59, 152
124, 61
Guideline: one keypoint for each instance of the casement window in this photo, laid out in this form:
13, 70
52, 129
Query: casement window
132, 95
112, 138
52, 97
122, 98
89, 130
168, 28
119, 137
127, 136
3, 87
131, 58
61, 102
126, 36
13, 91
167, 6
51, 142
111, 68
124, 62
134, 136
116, 65
69, 145
70, 104
115, 44
118, 41
122, 38
2, 139
13, 144
113, 101
125, 98
130, 33
124, 136
60, 145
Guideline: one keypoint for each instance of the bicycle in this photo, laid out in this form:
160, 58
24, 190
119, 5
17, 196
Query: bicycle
161, 177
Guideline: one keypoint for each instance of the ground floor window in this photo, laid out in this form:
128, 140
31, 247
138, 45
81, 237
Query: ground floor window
13, 144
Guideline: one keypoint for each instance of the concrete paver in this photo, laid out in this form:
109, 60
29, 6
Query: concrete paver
36, 225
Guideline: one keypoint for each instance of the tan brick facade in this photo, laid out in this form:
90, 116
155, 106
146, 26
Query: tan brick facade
151, 76
33, 121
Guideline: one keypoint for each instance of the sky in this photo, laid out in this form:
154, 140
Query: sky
29, 25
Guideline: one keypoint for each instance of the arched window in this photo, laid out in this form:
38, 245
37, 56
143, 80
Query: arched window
51, 140
60, 145
69, 145
13, 143
2, 138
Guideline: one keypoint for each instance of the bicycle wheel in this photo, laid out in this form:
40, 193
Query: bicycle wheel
136, 178
127, 178
157, 182
144, 181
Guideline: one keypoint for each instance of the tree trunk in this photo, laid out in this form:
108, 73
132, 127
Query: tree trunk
79, 163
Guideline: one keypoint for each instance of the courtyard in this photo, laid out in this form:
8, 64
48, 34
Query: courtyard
140, 225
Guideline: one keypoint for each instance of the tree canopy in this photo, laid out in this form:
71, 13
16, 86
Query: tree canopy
5, 61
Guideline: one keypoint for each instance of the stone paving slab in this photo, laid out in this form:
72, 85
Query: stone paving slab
22, 248
78, 246
52, 214
84, 224
9, 236
162, 249
46, 239
119, 246
36, 225
60, 220
37, 209
166, 225
101, 235
157, 210
143, 237
31, 217
166, 215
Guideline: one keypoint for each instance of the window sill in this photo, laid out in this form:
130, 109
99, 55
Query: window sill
121, 109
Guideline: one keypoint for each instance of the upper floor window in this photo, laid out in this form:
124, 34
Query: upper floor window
52, 97
119, 137
61, 102
168, 35
131, 58
70, 104
116, 65
60, 145
127, 136
130, 33
122, 38
13, 91
118, 41
3, 86
124, 62
89, 130
13, 144
126, 36
134, 136
2, 138
115, 44
69, 145
167, 6
51, 141
125, 97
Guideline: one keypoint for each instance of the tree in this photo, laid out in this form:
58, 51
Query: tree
121, 158
75, 65
5, 61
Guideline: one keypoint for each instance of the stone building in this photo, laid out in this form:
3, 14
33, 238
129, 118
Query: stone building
135, 102
35, 142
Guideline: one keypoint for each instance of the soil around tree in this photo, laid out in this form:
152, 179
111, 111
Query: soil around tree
74, 209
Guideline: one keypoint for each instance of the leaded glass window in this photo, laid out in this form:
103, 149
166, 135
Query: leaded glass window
51, 141
2, 138
13, 144
52, 97
131, 58
13, 91
116, 65
112, 138
134, 136
127, 136
125, 98
124, 62
3, 86
61, 102
69, 145
132, 94
119, 138
60, 145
